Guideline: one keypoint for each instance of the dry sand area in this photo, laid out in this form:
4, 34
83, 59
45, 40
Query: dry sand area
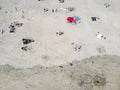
51, 62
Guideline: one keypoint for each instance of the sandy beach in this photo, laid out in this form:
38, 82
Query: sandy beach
95, 73
45, 41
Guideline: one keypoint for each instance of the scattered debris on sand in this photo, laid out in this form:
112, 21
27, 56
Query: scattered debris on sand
99, 81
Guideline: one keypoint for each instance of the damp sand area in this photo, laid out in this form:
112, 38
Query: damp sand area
95, 73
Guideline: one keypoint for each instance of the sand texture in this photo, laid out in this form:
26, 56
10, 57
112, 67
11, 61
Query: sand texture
82, 55
95, 73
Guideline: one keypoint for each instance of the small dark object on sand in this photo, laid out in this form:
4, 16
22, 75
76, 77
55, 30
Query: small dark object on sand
40, 0
16, 9
61, 66
59, 33
25, 48
27, 41
61, 1
94, 18
70, 8
18, 24
6, 11
12, 28
45, 9
105, 38
53, 10
71, 64
99, 81
0, 8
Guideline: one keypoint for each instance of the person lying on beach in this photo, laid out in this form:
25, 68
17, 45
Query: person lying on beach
27, 41
18, 24
12, 28
59, 33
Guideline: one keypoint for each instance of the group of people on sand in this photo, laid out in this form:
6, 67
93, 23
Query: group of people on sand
72, 19
13, 25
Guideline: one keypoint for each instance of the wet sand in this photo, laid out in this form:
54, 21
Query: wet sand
95, 73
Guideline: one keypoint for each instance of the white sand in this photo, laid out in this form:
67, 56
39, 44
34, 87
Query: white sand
49, 49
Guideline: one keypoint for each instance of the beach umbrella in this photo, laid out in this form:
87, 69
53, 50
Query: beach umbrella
76, 18
70, 19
